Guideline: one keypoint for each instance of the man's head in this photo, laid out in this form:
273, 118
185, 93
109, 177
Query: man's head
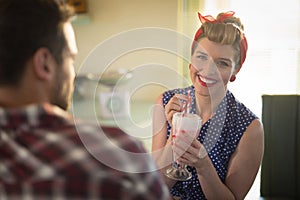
37, 34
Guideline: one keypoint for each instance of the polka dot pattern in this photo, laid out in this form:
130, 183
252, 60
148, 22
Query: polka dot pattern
220, 135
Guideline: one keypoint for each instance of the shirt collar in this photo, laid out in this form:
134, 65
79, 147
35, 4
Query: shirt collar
33, 115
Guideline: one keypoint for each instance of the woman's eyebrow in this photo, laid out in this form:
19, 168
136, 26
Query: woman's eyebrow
221, 58
201, 52
224, 59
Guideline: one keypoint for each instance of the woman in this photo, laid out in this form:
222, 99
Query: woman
224, 159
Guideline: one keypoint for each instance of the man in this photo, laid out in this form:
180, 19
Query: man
44, 152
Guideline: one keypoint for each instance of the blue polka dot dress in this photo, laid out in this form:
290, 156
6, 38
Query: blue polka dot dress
220, 136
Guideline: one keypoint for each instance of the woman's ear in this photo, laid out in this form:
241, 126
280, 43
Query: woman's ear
233, 76
43, 64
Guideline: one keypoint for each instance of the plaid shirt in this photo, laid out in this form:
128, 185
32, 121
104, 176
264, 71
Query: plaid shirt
46, 154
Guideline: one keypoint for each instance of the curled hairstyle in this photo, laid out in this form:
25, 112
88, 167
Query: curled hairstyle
26, 26
226, 31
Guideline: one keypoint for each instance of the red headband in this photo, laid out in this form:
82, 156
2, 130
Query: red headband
221, 18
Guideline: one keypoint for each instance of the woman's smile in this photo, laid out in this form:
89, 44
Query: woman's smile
205, 81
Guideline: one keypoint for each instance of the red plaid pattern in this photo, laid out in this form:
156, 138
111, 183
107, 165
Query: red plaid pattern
46, 154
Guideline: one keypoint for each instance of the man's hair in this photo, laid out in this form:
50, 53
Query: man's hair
26, 26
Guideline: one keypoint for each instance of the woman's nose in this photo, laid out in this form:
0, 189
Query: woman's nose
208, 68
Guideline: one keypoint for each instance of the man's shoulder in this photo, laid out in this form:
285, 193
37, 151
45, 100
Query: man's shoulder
104, 134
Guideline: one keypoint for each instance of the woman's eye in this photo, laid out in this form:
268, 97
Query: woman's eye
222, 63
202, 57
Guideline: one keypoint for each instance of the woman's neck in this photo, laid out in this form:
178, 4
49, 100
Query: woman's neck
206, 106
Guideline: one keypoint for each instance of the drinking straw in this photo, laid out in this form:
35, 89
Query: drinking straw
184, 109
188, 104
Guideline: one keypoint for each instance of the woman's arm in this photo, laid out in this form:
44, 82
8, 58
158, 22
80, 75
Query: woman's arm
242, 170
245, 162
161, 147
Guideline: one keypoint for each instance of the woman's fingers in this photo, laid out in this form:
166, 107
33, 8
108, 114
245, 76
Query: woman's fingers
181, 96
182, 145
191, 155
174, 105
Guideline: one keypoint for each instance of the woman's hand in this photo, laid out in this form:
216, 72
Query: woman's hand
174, 105
190, 151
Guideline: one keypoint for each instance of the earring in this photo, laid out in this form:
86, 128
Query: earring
232, 78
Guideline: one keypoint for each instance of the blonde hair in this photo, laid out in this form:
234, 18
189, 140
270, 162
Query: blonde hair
228, 32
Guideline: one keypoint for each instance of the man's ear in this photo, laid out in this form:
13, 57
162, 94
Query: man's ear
43, 64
